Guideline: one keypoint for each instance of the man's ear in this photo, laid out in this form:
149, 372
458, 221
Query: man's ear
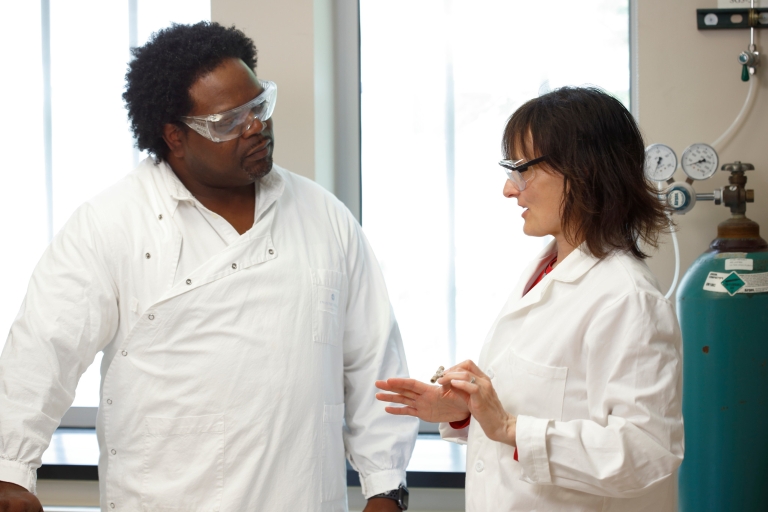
175, 138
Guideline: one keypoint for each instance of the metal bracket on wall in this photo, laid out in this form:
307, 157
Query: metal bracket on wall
716, 19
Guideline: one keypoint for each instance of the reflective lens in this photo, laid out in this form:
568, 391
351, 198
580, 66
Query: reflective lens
516, 178
232, 123
514, 170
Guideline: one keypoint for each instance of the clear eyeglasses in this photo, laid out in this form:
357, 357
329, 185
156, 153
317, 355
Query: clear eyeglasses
233, 123
514, 170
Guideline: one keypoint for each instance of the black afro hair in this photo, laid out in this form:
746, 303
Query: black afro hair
163, 70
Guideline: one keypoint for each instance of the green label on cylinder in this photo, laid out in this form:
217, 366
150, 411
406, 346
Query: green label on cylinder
733, 283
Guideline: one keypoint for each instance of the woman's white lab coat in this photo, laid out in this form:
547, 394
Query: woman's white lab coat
590, 362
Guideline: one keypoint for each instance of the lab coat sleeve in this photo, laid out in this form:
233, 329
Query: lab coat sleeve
68, 315
634, 437
458, 436
379, 445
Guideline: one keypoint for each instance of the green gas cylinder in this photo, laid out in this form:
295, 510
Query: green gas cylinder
722, 305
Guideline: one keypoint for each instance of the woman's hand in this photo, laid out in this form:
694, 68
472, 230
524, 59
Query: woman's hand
429, 403
483, 402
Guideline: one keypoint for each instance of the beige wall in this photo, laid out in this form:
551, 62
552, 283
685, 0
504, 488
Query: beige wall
285, 38
690, 91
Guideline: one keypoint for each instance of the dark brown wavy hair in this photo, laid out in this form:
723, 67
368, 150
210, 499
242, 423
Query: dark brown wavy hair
593, 141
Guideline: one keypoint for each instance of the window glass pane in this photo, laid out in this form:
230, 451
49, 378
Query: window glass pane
92, 146
434, 102
23, 209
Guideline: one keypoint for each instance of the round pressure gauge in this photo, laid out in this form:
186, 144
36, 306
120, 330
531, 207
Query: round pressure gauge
660, 162
699, 161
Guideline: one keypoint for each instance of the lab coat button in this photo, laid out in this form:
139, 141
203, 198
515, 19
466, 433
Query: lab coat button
124, 353
151, 317
189, 281
160, 217
112, 505
234, 266
490, 373
271, 251
113, 451
147, 255
479, 466
109, 401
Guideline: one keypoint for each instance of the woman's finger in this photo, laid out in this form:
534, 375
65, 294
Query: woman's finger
408, 385
466, 385
400, 390
402, 411
469, 366
473, 368
460, 375
395, 399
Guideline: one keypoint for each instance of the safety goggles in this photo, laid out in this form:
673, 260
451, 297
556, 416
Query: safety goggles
514, 169
233, 123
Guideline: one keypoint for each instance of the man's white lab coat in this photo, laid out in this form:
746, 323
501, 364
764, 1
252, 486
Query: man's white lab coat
228, 390
590, 362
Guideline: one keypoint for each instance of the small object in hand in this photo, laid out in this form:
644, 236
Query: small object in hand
438, 374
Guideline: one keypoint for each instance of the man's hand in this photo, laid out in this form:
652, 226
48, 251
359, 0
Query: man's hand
381, 505
14, 498
429, 403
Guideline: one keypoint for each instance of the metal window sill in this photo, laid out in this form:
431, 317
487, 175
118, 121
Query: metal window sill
74, 455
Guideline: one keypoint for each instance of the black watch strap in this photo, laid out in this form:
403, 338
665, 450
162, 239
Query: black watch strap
400, 495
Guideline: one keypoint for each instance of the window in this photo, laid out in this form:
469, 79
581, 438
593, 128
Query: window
65, 64
439, 78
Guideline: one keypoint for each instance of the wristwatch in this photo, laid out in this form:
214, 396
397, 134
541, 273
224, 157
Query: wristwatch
400, 495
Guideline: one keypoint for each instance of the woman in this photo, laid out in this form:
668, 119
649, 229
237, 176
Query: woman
575, 404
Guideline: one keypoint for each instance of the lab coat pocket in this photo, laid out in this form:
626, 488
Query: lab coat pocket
326, 305
334, 468
183, 464
533, 389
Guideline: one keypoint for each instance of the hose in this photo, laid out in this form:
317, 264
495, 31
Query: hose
725, 138
677, 259
676, 245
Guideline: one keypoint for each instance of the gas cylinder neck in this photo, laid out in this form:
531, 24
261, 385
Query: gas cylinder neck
738, 232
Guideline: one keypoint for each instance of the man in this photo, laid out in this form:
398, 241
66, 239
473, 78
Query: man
241, 312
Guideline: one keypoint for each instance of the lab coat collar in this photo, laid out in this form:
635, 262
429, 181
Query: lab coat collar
573, 267
269, 188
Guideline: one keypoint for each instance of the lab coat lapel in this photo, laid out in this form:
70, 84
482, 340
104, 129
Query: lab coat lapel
165, 207
570, 269
253, 248
517, 300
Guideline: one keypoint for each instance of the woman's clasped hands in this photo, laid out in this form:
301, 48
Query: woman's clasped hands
463, 390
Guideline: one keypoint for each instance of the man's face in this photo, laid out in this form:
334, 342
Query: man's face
235, 162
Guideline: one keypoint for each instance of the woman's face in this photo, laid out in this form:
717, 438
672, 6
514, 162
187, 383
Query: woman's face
541, 199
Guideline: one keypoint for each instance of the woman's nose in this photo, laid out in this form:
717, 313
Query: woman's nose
510, 190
